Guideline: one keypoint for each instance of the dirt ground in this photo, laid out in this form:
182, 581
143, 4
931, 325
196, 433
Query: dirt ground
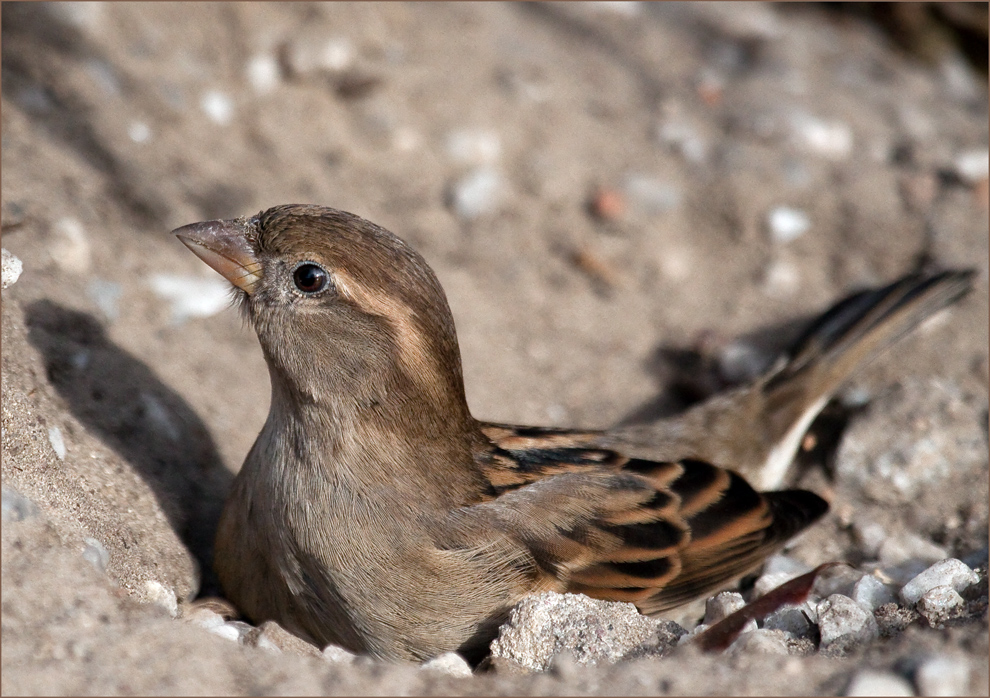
611, 194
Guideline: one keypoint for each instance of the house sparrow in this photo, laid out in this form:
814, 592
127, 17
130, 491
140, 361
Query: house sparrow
375, 512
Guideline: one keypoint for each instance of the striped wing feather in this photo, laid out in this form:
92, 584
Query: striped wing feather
657, 534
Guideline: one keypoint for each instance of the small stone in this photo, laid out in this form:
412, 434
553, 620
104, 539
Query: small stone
11, 270
96, 554
335, 654
949, 572
793, 621
830, 139
869, 535
943, 675
217, 106
273, 637
651, 196
763, 641
227, 631
767, 582
972, 166
786, 224
542, 626
70, 246
263, 73
893, 619
870, 593
161, 596
878, 683
106, 295
940, 604
205, 618
844, 624
57, 442
17, 507
477, 193
721, 605
310, 54
139, 132
449, 663
476, 147
191, 296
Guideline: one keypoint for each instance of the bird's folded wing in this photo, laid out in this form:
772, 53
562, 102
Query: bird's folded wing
654, 533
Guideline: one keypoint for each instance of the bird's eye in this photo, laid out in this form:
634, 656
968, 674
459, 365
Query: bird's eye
310, 278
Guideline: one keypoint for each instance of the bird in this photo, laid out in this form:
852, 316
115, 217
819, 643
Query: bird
376, 513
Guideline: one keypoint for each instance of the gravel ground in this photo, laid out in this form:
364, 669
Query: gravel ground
625, 204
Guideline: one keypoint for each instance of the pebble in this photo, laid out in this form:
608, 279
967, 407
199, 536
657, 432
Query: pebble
763, 641
972, 166
767, 582
106, 295
226, 631
869, 535
205, 618
542, 626
793, 621
11, 269
474, 147
96, 554
781, 278
721, 605
870, 593
940, 604
449, 663
263, 73
477, 193
338, 655
830, 139
57, 442
786, 224
70, 247
217, 106
651, 196
191, 296
844, 624
949, 572
17, 507
943, 675
160, 595
907, 546
878, 683
310, 53
139, 132
739, 362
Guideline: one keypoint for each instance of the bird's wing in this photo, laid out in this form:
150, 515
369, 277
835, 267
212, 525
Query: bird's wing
623, 529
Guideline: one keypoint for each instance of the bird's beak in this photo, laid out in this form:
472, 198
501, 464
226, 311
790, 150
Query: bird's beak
225, 247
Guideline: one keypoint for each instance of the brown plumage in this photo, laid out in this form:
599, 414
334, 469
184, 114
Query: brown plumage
376, 513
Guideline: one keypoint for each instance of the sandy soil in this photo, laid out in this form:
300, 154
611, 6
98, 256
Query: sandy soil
593, 186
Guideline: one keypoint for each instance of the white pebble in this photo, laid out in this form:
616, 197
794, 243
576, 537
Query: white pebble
96, 554
943, 675
70, 246
831, 139
869, 534
162, 596
139, 132
767, 582
972, 166
226, 631
474, 147
263, 73
786, 224
57, 442
950, 572
217, 106
870, 593
191, 296
477, 193
206, 618
721, 605
760, 642
449, 663
11, 270
939, 604
844, 624
791, 620
106, 295
650, 195
878, 683
781, 278
338, 655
